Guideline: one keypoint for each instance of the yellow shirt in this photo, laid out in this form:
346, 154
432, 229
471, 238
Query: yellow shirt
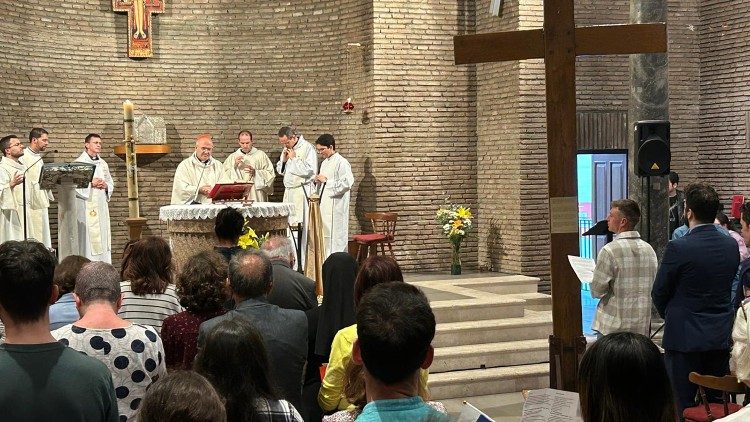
331, 396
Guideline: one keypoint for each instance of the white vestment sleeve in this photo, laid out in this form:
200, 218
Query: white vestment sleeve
182, 188
264, 174
343, 179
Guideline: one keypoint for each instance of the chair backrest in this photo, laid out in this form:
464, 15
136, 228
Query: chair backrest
727, 384
383, 222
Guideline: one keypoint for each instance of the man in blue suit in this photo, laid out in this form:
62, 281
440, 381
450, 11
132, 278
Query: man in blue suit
692, 293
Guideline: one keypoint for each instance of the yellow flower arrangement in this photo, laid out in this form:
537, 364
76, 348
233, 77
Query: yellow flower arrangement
250, 239
455, 222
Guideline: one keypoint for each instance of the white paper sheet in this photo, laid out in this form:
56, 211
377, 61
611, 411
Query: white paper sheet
469, 413
583, 267
549, 405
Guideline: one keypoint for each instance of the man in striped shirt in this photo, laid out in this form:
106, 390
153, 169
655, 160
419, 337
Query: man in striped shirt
623, 276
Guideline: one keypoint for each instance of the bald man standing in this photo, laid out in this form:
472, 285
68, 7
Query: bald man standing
197, 174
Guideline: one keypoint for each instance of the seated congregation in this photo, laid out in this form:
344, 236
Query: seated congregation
238, 335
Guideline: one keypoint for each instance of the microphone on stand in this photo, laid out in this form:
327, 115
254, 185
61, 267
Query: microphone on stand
193, 200
23, 191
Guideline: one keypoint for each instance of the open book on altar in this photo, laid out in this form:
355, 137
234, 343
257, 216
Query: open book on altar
230, 191
76, 173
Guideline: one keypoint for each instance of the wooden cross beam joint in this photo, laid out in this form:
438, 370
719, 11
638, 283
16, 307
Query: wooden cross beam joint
590, 40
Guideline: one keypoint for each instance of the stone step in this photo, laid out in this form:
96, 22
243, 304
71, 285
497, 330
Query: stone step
535, 301
480, 382
509, 284
493, 307
490, 355
532, 326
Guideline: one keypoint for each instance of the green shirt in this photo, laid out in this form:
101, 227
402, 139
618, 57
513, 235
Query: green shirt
51, 382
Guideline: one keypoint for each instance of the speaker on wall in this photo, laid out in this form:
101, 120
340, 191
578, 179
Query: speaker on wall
652, 156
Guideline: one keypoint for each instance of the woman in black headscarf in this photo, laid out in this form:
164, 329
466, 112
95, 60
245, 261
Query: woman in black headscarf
336, 312
337, 309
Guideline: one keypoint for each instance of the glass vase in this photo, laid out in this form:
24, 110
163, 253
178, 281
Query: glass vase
456, 259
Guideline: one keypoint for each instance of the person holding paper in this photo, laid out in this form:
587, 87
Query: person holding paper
11, 197
197, 174
623, 275
335, 182
249, 164
92, 206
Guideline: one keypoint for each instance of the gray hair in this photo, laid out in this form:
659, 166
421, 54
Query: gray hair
250, 274
278, 248
98, 281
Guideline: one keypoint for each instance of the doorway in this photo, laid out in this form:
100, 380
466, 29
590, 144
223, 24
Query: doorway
602, 178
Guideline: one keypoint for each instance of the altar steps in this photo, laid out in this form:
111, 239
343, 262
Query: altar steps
491, 336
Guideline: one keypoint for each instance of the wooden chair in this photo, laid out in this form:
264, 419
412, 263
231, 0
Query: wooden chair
707, 412
383, 233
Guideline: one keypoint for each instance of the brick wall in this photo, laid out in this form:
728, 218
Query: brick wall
725, 95
423, 130
219, 66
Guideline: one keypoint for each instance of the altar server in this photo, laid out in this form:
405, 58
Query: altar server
335, 181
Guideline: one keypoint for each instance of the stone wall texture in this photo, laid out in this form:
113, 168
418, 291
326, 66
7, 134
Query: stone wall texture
424, 131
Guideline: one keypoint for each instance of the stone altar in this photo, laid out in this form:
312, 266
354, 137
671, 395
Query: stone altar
191, 227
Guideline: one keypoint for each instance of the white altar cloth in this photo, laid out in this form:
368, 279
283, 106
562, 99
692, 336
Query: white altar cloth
209, 211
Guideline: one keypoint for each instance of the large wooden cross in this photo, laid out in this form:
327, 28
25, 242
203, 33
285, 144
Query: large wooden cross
140, 40
559, 42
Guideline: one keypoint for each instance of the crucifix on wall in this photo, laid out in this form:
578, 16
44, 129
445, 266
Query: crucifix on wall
140, 39
558, 43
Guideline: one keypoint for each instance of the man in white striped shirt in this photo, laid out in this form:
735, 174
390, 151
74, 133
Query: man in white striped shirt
623, 276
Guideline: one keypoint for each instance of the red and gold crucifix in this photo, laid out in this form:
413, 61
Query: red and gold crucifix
140, 41
559, 41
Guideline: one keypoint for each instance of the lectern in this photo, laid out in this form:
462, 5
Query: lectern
66, 177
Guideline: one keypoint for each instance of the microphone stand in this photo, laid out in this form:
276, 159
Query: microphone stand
197, 188
23, 192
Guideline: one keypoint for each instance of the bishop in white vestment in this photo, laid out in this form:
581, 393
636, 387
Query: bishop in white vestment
11, 196
335, 181
37, 200
249, 164
92, 206
197, 174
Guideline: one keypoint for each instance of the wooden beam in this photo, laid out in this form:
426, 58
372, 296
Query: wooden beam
499, 46
621, 39
590, 40
567, 342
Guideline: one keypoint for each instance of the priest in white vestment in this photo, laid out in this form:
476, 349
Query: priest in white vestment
91, 216
11, 195
297, 164
249, 164
37, 200
335, 181
197, 174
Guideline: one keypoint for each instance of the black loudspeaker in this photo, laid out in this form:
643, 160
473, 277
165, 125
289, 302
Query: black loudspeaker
652, 156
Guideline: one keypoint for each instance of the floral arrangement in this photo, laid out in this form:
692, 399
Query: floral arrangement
250, 239
455, 221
